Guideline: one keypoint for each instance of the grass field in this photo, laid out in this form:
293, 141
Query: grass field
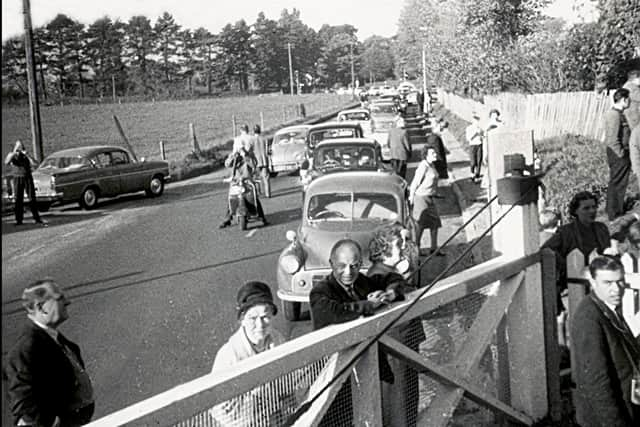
147, 123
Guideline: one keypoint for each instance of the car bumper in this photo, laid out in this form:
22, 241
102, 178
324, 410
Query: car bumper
49, 198
300, 285
285, 167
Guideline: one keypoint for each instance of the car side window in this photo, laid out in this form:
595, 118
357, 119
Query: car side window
103, 160
119, 157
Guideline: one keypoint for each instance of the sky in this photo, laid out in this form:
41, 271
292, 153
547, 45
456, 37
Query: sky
370, 17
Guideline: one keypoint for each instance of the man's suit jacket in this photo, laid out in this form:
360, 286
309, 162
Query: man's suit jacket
399, 144
603, 368
41, 379
331, 304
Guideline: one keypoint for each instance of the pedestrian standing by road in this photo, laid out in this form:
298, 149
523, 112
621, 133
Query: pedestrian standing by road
422, 192
605, 352
23, 181
47, 381
475, 136
260, 152
255, 334
494, 123
617, 134
632, 114
243, 140
634, 152
400, 147
434, 139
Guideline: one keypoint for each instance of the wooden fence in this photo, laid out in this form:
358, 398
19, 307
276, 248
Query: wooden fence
513, 322
547, 114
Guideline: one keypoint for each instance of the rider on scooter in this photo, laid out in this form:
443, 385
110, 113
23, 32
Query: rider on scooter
243, 163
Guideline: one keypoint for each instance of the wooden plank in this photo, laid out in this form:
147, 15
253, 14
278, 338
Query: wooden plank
365, 389
451, 378
552, 349
469, 355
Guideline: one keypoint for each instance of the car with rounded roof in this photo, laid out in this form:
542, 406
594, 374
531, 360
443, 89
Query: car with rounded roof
333, 130
359, 115
288, 149
383, 116
86, 174
337, 206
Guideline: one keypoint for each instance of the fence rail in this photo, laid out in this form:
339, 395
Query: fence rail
547, 114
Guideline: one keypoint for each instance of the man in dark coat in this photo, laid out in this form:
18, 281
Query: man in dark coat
606, 353
435, 140
616, 137
47, 381
23, 181
400, 146
345, 295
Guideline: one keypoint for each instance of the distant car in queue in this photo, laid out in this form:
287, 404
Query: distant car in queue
333, 130
337, 206
342, 155
359, 115
86, 174
288, 149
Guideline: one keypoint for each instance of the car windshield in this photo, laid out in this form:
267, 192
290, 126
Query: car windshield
297, 135
344, 157
341, 206
74, 162
359, 116
321, 135
383, 108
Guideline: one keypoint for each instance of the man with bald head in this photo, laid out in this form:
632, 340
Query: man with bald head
48, 384
345, 294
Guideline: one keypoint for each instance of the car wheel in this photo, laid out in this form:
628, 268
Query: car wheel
291, 310
156, 186
89, 198
243, 222
44, 206
273, 174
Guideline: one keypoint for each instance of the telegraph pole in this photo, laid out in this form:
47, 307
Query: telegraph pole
424, 75
290, 69
34, 106
353, 75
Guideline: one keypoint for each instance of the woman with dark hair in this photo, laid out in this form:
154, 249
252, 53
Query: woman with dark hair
422, 192
583, 232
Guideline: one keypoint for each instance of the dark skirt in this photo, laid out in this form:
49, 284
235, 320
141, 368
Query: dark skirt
425, 212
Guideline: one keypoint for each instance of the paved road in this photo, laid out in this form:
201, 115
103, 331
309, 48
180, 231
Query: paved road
153, 281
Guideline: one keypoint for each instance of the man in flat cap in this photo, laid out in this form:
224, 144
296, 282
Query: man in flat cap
48, 384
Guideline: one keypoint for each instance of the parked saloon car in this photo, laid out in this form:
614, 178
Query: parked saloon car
332, 130
288, 149
359, 115
337, 206
85, 174
340, 155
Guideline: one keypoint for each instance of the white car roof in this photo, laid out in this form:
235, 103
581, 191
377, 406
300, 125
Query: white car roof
292, 128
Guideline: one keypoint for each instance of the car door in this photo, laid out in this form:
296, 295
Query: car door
130, 173
106, 178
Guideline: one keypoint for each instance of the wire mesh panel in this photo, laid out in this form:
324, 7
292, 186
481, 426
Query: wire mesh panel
267, 405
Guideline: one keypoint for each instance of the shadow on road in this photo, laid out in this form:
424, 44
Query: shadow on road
53, 219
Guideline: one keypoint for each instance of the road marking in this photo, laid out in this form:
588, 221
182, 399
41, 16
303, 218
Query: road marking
71, 233
252, 232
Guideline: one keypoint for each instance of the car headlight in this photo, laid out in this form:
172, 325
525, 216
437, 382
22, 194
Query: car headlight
290, 263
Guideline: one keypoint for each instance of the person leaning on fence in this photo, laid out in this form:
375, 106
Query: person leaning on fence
255, 310
616, 135
606, 355
583, 232
345, 295
475, 135
47, 381
391, 251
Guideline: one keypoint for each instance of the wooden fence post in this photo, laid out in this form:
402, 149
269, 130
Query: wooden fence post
193, 139
163, 154
365, 390
525, 316
262, 121
124, 137
234, 131
552, 349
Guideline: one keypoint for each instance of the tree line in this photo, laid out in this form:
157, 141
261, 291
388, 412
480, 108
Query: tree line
165, 60
478, 47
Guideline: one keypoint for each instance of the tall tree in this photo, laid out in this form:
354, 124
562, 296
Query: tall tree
204, 52
166, 45
376, 59
271, 59
339, 47
139, 45
64, 52
237, 51
305, 43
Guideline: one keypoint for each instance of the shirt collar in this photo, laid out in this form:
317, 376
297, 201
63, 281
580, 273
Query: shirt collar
51, 331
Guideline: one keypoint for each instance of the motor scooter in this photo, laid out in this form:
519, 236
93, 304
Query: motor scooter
243, 202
